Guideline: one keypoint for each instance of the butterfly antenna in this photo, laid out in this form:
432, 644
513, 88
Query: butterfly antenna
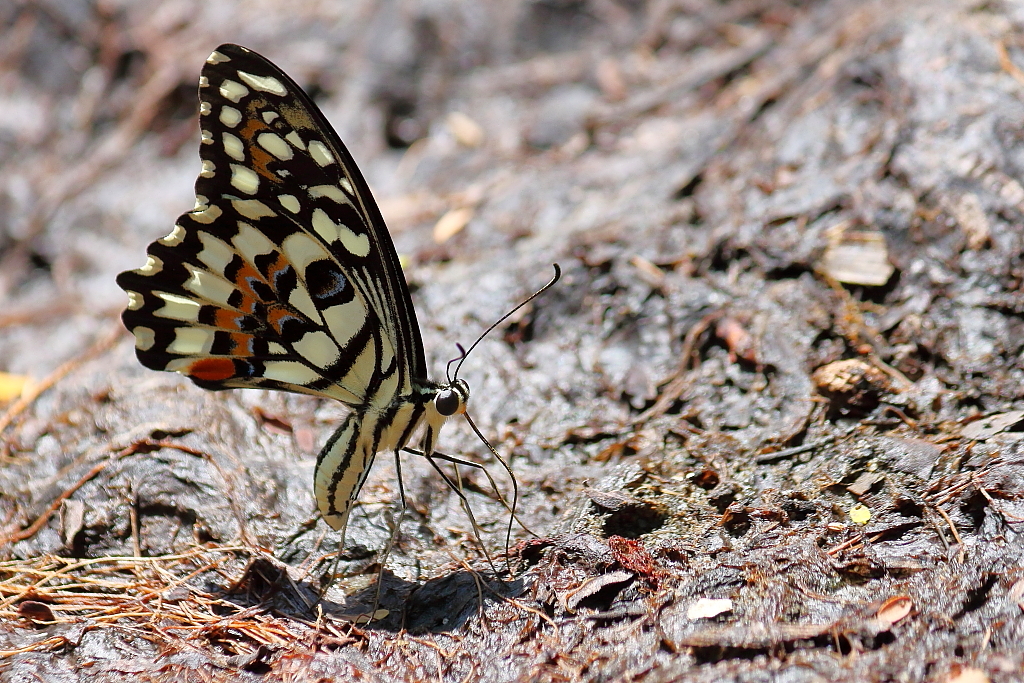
462, 359
458, 359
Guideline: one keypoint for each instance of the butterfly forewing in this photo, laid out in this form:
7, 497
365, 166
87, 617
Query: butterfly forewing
283, 276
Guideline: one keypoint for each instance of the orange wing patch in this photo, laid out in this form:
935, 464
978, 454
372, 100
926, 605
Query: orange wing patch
212, 369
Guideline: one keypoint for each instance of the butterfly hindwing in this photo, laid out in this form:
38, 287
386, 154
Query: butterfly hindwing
283, 276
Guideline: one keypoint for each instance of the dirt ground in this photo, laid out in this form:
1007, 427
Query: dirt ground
768, 427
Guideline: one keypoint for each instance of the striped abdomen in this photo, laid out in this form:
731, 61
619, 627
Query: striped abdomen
345, 460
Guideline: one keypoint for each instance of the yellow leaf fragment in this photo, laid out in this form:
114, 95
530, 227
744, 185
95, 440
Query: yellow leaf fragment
860, 514
12, 386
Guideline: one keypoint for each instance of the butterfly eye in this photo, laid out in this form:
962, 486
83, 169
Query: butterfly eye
447, 402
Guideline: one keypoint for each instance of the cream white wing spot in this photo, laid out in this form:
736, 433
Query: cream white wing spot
290, 202
174, 237
233, 91
230, 116
263, 83
233, 147
270, 116
135, 300
289, 372
357, 245
204, 82
181, 365
208, 286
206, 137
317, 348
217, 58
206, 215
216, 254
332, 192
347, 186
300, 301
178, 308
301, 250
275, 144
295, 140
204, 108
144, 338
201, 203
320, 153
345, 320
276, 349
208, 169
251, 243
152, 266
190, 341
253, 209
244, 179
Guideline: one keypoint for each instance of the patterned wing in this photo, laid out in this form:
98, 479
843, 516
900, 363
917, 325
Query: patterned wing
284, 275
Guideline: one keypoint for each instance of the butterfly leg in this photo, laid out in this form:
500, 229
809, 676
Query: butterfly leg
456, 487
395, 530
494, 487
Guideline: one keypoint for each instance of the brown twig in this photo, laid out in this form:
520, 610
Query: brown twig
677, 384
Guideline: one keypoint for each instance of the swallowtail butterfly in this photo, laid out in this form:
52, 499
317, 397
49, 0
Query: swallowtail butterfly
284, 276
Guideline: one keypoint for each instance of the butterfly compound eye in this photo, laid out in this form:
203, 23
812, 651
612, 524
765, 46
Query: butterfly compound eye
447, 402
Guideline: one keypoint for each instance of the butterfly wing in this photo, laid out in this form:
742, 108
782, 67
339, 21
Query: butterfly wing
284, 275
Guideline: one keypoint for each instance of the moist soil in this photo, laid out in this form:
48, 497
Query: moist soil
768, 426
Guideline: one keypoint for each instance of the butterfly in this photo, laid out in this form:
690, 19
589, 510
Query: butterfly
283, 276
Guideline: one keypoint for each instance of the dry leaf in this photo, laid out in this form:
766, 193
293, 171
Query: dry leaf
649, 272
991, 425
971, 218
1016, 593
705, 608
858, 257
968, 675
35, 611
610, 80
594, 586
452, 223
467, 131
894, 609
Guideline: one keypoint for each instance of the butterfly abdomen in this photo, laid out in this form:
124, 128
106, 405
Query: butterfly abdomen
345, 460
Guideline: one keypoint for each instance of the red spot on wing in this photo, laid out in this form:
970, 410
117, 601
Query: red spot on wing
212, 369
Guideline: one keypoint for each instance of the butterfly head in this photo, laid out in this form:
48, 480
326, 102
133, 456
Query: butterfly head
452, 399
